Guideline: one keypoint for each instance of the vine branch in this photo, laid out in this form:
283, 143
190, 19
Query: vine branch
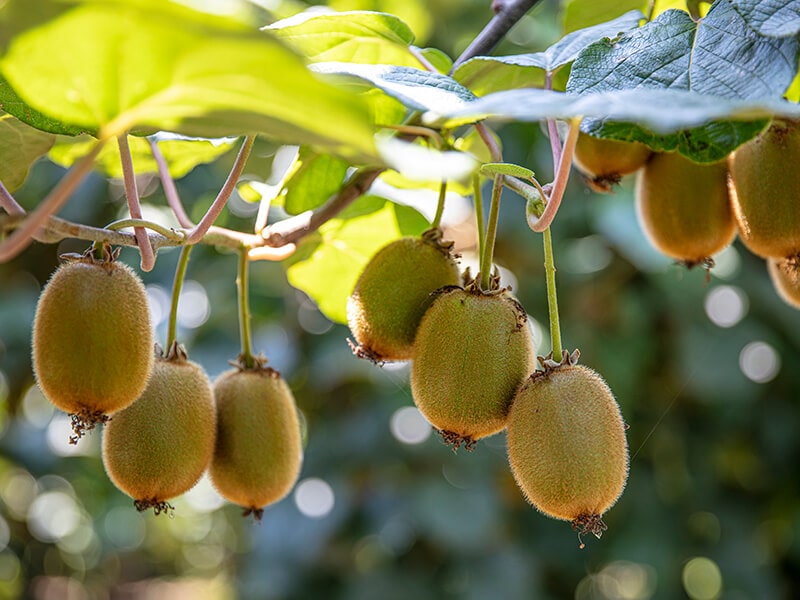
134, 205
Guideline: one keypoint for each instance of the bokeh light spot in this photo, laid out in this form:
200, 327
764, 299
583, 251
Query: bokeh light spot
158, 300
587, 255
52, 516
726, 305
124, 527
759, 362
409, 426
193, 307
60, 430
36, 408
314, 497
702, 579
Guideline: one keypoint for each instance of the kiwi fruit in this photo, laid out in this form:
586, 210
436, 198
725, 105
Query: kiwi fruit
393, 292
92, 339
258, 451
785, 276
684, 208
159, 446
566, 445
765, 189
604, 161
472, 351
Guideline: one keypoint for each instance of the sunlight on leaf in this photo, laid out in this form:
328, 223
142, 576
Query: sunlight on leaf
20, 147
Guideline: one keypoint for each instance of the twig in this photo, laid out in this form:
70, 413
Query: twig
295, 228
562, 176
134, 206
8, 203
507, 15
196, 234
168, 184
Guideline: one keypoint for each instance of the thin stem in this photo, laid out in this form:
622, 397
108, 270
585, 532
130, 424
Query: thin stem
426, 64
242, 286
177, 285
22, 236
488, 139
552, 299
196, 234
168, 184
560, 182
8, 203
167, 232
134, 206
487, 253
478, 201
507, 15
437, 219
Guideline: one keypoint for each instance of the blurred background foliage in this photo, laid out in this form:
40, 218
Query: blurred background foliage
703, 371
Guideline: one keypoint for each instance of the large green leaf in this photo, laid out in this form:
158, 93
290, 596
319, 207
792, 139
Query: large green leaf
181, 154
778, 18
485, 74
327, 264
20, 147
720, 56
580, 14
353, 36
660, 112
416, 89
312, 179
113, 66
11, 103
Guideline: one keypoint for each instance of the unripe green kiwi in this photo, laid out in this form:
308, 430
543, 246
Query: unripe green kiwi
785, 276
684, 207
472, 352
258, 452
766, 187
92, 340
393, 292
605, 161
567, 447
159, 446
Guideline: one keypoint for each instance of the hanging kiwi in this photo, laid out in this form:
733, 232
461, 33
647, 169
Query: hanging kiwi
785, 276
566, 445
393, 292
158, 447
684, 208
472, 351
92, 339
765, 189
258, 450
604, 162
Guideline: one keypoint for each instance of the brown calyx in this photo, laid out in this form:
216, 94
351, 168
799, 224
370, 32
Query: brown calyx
84, 421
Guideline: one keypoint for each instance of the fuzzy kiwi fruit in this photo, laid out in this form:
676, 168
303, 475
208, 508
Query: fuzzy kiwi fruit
159, 446
393, 292
684, 207
785, 276
473, 350
567, 446
765, 188
92, 339
258, 451
605, 161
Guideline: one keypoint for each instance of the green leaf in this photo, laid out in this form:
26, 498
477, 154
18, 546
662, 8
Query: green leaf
492, 169
353, 36
311, 180
327, 264
182, 154
660, 112
776, 18
416, 89
113, 67
20, 147
437, 58
580, 14
11, 103
485, 74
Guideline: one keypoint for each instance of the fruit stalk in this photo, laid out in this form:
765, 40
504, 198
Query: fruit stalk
134, 206
243, 286
437, 219
552, 297
478, 201
491, 232
562, 158
177, 285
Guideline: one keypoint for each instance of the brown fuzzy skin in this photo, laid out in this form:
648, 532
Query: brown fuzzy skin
566, 443
605, 162
392, 294
92, 338
785, 276
471, 354
765, 188
684, 207
258, 454
159, 446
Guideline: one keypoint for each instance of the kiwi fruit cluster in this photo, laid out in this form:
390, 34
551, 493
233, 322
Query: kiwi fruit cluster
603, 162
